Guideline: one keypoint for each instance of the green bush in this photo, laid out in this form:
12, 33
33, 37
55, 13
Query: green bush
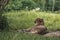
31, 4
20, 5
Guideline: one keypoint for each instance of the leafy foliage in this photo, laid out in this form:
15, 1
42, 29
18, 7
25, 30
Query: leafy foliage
31, 4
3, 22
21, 4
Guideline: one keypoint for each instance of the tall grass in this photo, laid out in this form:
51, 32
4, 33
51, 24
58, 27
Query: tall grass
25, 19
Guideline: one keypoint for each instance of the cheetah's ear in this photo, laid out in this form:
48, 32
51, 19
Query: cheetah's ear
41, 20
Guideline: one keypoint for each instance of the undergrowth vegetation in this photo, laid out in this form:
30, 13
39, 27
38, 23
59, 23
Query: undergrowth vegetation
25, 19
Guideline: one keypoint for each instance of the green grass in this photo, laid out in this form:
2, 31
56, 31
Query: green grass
25, 19
23, 36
